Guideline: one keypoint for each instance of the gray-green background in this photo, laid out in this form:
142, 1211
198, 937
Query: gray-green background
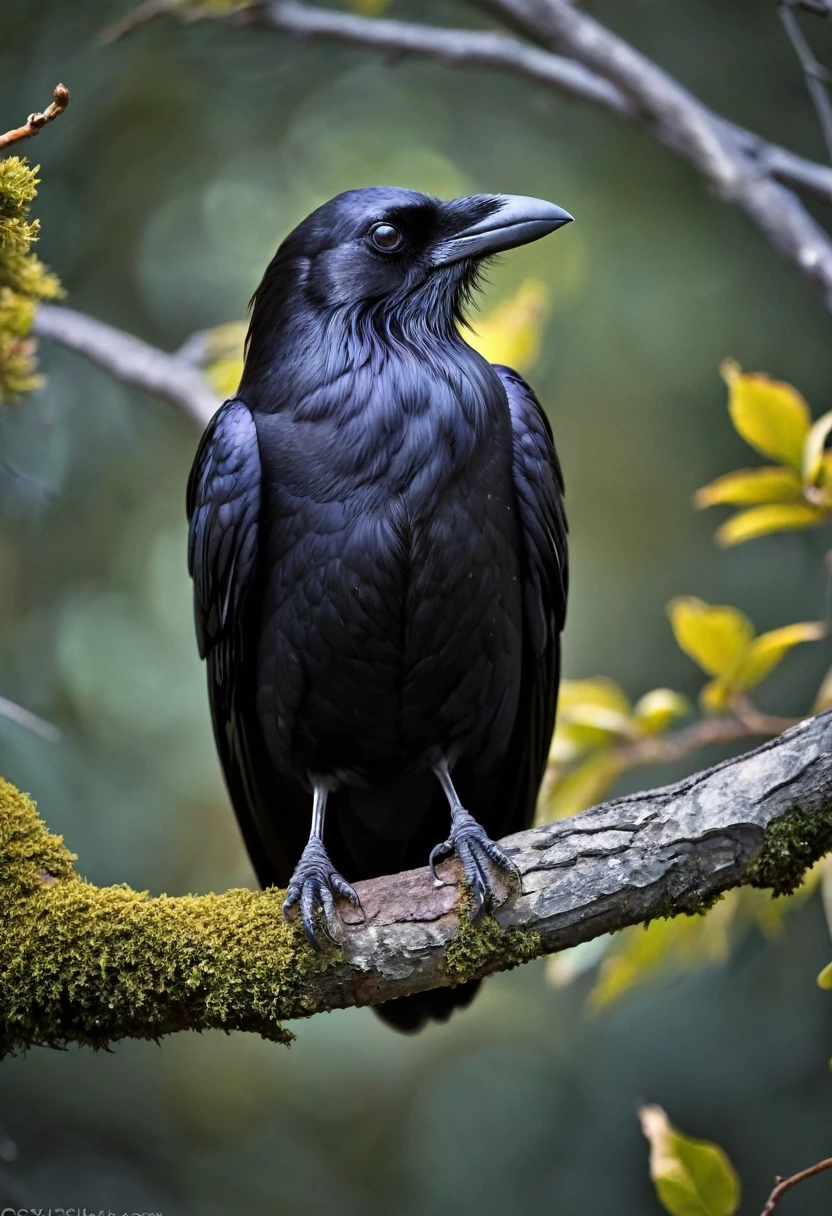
185, 156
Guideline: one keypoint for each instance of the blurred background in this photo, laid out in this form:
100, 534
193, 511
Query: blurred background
186, 155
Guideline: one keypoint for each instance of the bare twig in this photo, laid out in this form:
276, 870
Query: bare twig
817, 77
130, 360
24, 717
785, 1184
35, 122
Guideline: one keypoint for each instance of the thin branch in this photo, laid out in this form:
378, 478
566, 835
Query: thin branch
817, 77
25, 717
36, 122
679, 120
785, 1184
590, 61
458, 47
130, 360
86, 964
477, 48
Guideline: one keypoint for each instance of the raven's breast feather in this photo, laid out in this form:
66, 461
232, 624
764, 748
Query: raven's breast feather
389, 633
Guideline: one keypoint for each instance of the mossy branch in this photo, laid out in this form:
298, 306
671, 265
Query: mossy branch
92, 965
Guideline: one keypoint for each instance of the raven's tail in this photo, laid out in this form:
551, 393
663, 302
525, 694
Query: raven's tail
410, 1013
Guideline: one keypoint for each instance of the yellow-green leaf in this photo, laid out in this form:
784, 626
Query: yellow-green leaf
658, 708
825, 977
772, 483
512, 332
824, 698
766, 651
814, 447
716, 696
583, 785
639, 953
600, 691
224, 375
774, 517
715, 636
223, 356
692, 1177
770, 415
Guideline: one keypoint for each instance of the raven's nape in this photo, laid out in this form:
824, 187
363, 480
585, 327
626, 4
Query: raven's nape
411, 1013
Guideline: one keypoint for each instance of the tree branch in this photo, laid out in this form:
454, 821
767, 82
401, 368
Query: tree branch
130, 360
786, 1184
35, 122
679, 120
92, 965
598, 67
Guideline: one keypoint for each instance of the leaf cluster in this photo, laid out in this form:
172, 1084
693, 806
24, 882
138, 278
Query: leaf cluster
796, 491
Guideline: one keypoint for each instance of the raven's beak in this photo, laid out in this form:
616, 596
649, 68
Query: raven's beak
512, 220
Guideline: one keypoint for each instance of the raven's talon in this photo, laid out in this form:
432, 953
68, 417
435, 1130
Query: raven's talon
314, 886
443, 849
475, 850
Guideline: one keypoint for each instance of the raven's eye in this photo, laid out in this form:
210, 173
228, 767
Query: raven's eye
387, 238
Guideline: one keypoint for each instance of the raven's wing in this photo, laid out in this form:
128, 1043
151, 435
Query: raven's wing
223, 512
538, 485
223, 500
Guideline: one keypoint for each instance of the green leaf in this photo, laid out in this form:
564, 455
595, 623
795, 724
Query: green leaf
715, 637
770, 415
692, 1177
774, 517
766, 651
655, 711
747, 487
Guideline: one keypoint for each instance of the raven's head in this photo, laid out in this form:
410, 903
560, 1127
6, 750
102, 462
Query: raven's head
395, 251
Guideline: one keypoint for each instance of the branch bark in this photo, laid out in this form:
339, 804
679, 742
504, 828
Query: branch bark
133, 362
92, 965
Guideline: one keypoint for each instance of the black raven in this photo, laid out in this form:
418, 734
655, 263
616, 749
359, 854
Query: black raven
378, 551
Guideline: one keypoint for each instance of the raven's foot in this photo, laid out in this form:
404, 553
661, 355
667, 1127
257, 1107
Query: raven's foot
314, 886
475, 849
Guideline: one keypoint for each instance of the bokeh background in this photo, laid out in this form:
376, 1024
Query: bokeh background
185, 156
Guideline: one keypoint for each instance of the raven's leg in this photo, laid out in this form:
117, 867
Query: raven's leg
473, 846
316, 882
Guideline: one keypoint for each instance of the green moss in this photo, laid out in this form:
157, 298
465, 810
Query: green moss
92, 965
792, 844
478, 948
23, 279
